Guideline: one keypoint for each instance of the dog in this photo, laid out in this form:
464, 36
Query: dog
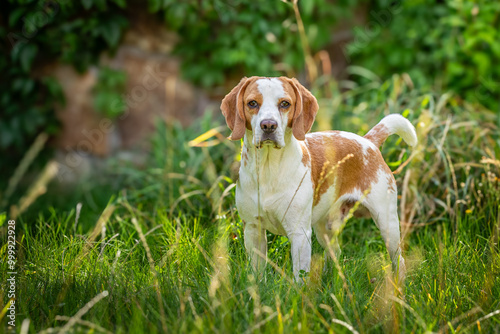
291, 181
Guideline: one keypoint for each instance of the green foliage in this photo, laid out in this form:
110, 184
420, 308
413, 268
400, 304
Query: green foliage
454, 45
228, 38
26, 108
72, 32
108, 90
36, 34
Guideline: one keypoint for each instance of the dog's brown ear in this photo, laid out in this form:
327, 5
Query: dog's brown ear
233, 110
306, 108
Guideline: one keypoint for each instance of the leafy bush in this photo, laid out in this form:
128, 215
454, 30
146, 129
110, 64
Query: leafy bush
36, 33
449, 44
221, 38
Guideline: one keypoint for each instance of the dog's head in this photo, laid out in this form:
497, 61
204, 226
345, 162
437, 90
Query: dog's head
269, 107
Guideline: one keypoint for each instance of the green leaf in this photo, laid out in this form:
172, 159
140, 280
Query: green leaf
394, 163
87, 4
425, 102
307, 7
15, 16
27, 55
120, 3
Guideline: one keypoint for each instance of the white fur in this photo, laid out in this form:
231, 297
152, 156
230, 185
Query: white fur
397, 124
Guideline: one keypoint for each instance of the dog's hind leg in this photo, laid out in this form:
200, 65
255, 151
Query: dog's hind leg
382, 204
328, 233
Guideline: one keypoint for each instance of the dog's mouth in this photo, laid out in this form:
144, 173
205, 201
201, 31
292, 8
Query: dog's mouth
268, 142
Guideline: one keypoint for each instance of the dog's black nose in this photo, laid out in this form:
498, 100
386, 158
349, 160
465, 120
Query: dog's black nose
268, 125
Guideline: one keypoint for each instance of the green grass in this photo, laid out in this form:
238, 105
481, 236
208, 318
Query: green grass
189, 272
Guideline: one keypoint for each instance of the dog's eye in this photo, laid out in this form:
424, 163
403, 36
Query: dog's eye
284, 104
253, 104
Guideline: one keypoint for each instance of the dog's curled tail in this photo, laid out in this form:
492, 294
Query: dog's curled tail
392, 124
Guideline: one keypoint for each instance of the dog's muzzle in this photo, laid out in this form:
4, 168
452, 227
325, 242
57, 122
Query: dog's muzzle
268, 127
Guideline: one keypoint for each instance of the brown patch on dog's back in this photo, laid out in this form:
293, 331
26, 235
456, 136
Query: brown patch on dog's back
327, 150
322, 157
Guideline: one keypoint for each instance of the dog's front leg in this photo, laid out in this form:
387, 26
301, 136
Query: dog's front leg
256, 246
300, 240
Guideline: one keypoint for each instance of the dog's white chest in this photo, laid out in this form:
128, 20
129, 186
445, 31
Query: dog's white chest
272, 195
261, 203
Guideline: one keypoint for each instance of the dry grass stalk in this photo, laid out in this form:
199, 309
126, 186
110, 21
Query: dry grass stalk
21, 169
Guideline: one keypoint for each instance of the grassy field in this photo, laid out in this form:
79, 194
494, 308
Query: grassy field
160, 249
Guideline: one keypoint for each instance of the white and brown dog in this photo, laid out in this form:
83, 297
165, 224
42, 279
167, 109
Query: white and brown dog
292, 181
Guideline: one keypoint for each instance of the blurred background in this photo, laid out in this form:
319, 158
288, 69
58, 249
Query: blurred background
95, 92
